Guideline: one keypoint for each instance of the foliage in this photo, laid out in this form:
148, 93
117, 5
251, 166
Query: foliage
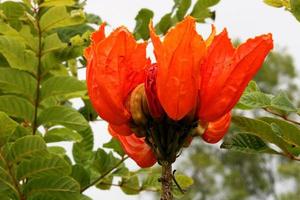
201, 11
292, 6
41, 47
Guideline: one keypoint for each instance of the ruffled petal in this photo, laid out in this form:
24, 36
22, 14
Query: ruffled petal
151, 92
96, 37
226, 72
178, 58
216, 130
214, 72
115, 67
136, 148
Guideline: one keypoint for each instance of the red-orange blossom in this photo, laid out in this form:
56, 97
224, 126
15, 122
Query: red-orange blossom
192, 80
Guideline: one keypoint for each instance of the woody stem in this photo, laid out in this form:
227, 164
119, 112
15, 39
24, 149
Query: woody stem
166, 181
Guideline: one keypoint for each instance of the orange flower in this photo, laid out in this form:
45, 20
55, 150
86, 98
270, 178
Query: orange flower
115, 67
178, 58
225, 73
193, 81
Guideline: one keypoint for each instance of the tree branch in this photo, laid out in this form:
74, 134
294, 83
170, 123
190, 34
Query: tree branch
39, 55
166, 181
281, 116
96, 181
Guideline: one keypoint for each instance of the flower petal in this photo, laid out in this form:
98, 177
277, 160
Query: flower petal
178, 58
115, 67
96, 37
226, 73
151, 92
122, 129
216, 130
136, 148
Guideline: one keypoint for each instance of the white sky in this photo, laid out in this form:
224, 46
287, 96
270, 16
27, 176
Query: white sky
242, 18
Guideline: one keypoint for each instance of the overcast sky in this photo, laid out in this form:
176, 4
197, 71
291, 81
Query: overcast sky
243, 19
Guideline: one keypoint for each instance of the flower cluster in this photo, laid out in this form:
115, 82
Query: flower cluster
155, 109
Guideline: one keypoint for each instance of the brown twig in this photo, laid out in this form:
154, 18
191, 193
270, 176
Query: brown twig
166, 181
96, 181
39, 55
281, 116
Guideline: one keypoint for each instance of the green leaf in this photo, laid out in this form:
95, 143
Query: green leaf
184, 181
57, 150
43, 166
52, 187
27, 147
115, 145
17, 82
53, 60
121, 171
58, 16
295, 8
164, 24
80, 154
84, 197
151, 182
52, 43
205, 3
142, 19
255, 100
12, 10
30, 40
201, 10
81, 175
283, 103
15, 23
130, 185
6, 185
105, 183
62, 115
103, 161
66, 33
246, 143
252, 87
62, 86
183, 6
88, 111
288, 131
93, 19
83, 151
13, 49
62, 135
50, 3
7, 127
260, 129
274, 3
19, 132
7, 30
17, 107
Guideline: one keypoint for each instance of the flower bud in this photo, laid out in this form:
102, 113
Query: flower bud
136, 106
